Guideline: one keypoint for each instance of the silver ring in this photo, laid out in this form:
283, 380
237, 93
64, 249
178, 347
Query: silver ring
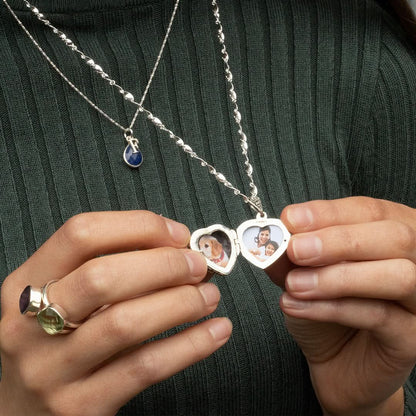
52, 317
44, 291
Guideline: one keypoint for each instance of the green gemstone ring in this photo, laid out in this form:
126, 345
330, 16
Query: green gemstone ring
52, 317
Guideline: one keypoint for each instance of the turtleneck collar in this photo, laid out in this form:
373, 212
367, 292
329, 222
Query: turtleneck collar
67, 6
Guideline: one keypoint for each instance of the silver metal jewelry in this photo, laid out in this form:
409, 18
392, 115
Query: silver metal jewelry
221, 246
237, 115
237, 240
52, 317
30, 301
132, 154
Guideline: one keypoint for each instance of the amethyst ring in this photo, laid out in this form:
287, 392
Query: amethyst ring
30, 301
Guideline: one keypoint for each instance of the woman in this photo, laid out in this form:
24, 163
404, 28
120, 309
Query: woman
260, 241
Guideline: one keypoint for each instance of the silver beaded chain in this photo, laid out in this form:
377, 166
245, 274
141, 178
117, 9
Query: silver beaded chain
233, 97
253, 200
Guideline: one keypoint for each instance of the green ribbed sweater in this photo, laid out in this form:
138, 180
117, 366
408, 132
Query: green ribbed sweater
327, 90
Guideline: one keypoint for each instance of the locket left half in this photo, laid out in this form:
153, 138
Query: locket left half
218, 244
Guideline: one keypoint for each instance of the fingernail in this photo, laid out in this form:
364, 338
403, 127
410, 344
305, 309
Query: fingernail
196, 263
210, 293
300, 217
306, 247
302, 281
292, 303
220, 329
178, 232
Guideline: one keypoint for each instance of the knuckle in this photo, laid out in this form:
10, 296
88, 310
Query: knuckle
380, 314
147, 367
59, 403
150, 223
74, 400
192, 302
199, 344
32, 378
406, 237
118, 326
344, 282
375, 207
344, 273
349, 239
77, 231
174, 262
91, 281
406, 270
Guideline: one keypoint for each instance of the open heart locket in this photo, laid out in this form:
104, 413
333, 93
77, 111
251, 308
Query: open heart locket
261, 241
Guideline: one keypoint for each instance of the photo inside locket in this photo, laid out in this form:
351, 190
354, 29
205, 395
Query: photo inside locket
263, 242
216, 247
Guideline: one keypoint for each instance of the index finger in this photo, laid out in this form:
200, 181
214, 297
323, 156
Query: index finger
315, 215
89, 235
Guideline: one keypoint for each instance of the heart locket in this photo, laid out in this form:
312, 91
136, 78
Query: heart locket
262, 241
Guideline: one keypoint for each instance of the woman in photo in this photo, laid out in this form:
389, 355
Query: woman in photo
260, 241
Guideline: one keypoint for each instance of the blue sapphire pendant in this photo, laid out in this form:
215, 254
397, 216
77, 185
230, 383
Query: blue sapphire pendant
132, 154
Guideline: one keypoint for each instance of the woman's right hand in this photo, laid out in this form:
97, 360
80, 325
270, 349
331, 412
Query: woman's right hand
137, 263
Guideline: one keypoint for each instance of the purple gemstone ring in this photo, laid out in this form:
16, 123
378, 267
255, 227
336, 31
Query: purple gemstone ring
30, 300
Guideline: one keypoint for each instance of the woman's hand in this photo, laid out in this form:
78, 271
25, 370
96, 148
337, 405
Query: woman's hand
351, 303
137, 263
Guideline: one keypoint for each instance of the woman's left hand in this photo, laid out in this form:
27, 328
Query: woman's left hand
351, 301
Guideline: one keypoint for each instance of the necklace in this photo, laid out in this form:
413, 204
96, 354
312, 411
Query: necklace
132, 154
262, 240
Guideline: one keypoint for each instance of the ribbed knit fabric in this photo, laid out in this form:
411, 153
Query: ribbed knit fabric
327, 90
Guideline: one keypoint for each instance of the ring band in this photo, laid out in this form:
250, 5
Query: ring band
44, 291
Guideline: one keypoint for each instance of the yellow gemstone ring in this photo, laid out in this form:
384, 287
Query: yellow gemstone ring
52, 317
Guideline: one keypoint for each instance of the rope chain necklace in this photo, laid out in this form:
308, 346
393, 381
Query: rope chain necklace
262, 241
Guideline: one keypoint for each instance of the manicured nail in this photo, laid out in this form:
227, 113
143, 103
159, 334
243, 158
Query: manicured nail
300, 217
221, 328
292, 303
210, 293
197, 263
306, 247
302, 280
178, 232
